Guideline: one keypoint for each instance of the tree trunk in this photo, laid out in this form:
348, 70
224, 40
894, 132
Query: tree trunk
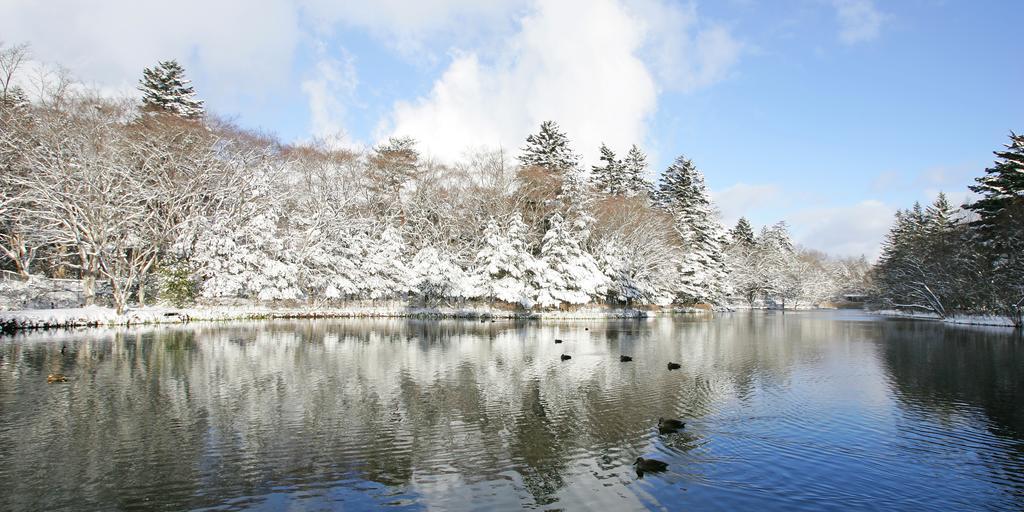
142, 290
89, 287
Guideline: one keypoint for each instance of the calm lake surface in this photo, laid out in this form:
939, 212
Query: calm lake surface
802, 411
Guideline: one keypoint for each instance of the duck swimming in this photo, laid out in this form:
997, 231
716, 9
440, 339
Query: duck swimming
649, 465
674, 366
566, 357
557, 340
667, 426
625, 359
56, 377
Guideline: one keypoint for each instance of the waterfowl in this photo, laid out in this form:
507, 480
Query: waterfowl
557, 340
674, 366
56, 377
625, 359
566, 357
669, 425
649, 465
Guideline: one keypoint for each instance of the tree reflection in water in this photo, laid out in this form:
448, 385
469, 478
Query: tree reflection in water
780, 410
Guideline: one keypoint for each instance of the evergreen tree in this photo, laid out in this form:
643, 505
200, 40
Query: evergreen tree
1000, 209
702, 268
634, 168
392, 165
566, 272
386, 273
505, 262
14, 100
165, 89
912, 271
743, 233
549, 149
607, 177
999, 228
621, 177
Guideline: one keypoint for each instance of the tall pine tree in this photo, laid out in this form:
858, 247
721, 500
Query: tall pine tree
623, 178
166, 90
607, 177
702, 267
549, 149
634, 167
999, 228
743, 233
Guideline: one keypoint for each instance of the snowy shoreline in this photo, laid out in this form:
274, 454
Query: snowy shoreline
958, 319
96, 316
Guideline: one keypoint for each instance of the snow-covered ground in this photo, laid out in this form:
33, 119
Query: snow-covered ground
962, 319
38, 292
102, 316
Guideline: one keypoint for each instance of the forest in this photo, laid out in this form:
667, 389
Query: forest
156, 200
945, 260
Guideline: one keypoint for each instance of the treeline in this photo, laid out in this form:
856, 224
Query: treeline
160, 197
947, 261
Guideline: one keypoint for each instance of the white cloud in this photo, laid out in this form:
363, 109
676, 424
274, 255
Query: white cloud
685, 56
742, 199
846, 230
406, 25
328, 91
859, 20
577, 62
110, 42
574, 62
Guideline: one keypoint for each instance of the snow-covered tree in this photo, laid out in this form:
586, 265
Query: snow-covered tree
634, 169
393, 164
999, 227
566, 273
624, 178
386, 272
743, 233
904, 271
549, 149
608, 175
702, 264
636, 248
505, 262
247, 260
165, 89
434, 275
12, 57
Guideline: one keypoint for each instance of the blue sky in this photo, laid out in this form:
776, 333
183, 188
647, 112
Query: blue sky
828, 114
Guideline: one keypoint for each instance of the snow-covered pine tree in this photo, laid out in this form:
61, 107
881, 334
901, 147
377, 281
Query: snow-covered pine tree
1000, 223
702, 267
607, 176
743, 233
386, 273
393, 164
566, 272
902, 275
165, 89
624, 178
634, 169
999, 228
505, 262
434, 275
549, 149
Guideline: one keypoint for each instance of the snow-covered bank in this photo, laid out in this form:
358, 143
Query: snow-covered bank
961, 319
100, 316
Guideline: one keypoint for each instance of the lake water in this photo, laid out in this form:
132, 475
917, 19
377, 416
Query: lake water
802, 411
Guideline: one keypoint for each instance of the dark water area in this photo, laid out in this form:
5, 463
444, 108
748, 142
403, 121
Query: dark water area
802, 411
